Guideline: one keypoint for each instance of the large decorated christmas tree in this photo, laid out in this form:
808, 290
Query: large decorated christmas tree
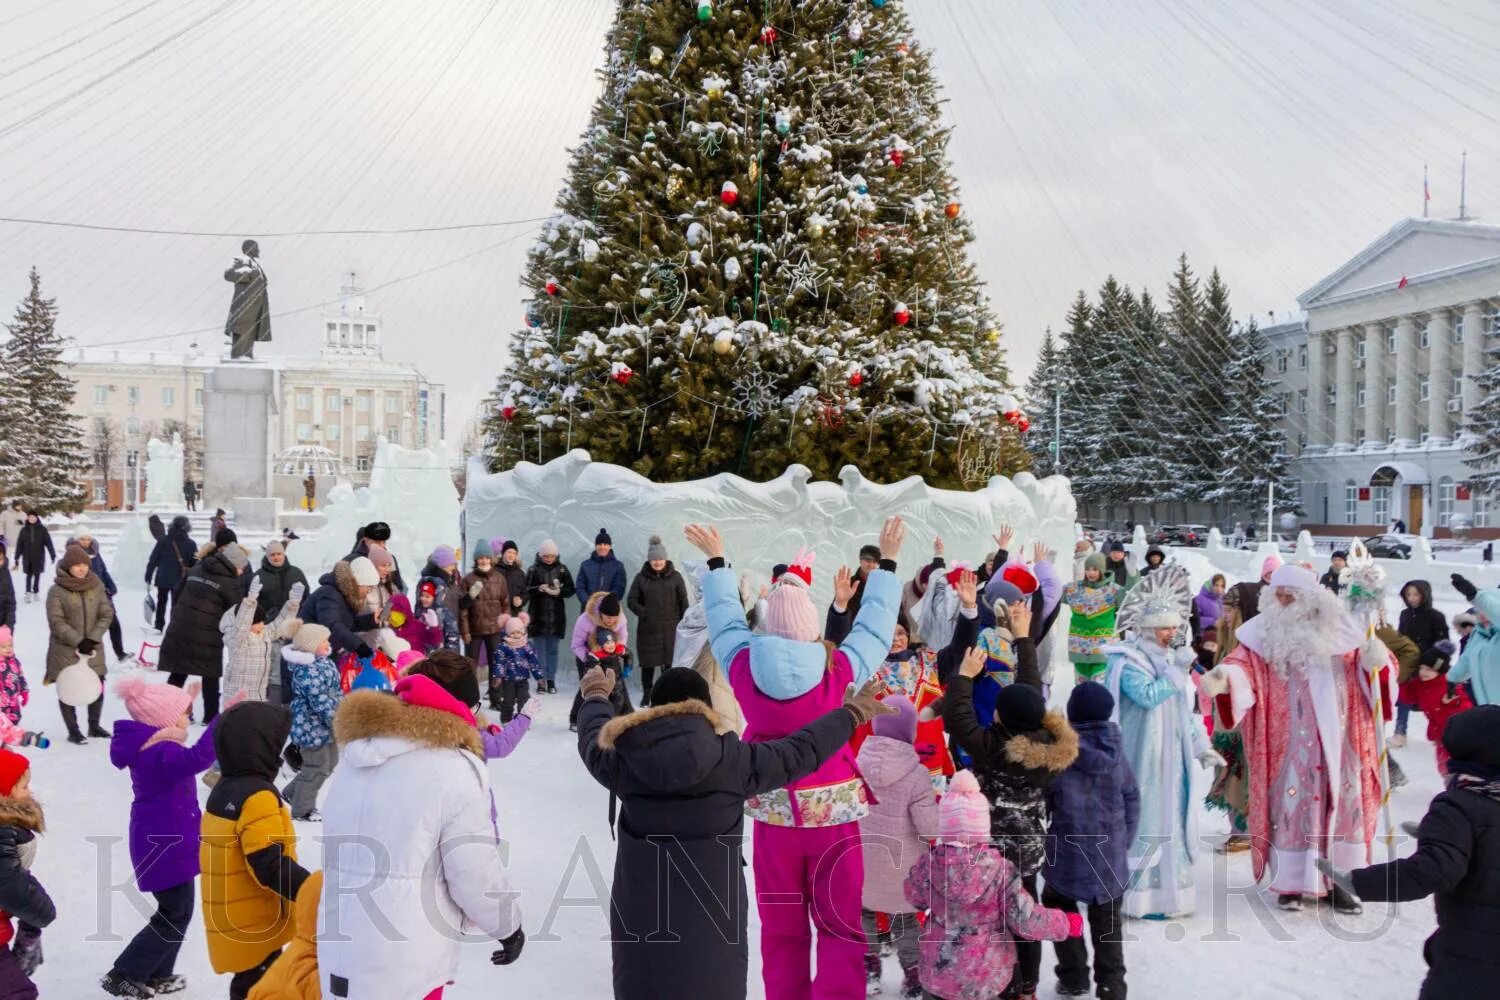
760, 258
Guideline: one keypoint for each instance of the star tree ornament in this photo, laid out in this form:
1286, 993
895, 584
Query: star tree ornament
805, 276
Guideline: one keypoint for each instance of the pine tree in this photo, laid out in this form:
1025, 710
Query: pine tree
1252, 445
1482, 430
42, 451
760, 258
1050, 382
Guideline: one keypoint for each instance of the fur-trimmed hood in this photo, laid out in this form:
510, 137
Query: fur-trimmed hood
342, 577
394, 727
24, 813
669, 748
591, 609
1054, 747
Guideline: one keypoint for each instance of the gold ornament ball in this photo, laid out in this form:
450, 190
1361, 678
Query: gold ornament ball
674, 186
723, 345
992, 335
815, 230
657, 55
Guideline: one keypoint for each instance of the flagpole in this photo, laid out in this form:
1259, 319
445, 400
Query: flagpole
1463, 188
1426, 193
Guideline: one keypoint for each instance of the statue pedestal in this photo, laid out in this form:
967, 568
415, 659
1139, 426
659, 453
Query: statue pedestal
239, 404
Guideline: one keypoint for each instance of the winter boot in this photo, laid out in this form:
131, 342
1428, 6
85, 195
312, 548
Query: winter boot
1345, 903
1072, 989
168, 984
1398, 741
872, 974
911, 985
1290, 901
1398, 776
95, 711
116, 985
1236, 844
70, 719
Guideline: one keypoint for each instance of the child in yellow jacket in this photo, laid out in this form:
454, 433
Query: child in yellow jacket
294, 976
248, 849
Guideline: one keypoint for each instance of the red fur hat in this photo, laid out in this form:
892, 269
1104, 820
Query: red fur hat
1023, 579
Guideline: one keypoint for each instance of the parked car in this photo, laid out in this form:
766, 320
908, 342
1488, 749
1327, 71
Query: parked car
1190, 535
1390, 546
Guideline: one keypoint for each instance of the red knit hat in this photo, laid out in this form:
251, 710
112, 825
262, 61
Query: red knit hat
12, 766
801, 566
1023, 579
958, 570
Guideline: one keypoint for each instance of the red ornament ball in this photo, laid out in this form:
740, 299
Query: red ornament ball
622, 374
856, 380
952, 209
729, 194
508, 412
768, 35
897, 157
1024, 425
902, 316
553, 287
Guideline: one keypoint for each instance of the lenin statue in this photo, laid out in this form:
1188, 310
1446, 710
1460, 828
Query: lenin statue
249, 320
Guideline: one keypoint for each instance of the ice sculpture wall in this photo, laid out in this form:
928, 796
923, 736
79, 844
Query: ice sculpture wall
570, 498
411, 490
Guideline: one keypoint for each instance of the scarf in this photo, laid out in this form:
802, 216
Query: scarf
170, 734
68, 581
1488, 787
517, 640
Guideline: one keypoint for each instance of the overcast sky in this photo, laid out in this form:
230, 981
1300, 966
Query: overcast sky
1272, 138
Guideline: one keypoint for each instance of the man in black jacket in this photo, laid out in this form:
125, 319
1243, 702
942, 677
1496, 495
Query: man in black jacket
193, 645
170, 561
1457, 860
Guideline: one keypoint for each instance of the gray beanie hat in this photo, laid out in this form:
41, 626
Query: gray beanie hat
656, 550
237, 556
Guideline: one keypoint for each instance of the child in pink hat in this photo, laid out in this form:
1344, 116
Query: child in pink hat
977, 902
13, 696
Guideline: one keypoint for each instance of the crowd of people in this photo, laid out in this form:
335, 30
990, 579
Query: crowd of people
909, 789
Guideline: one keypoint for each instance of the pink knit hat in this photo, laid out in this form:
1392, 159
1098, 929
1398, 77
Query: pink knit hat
1271, 565
964, 813
406, 659
789, 610
158, 705
424, 692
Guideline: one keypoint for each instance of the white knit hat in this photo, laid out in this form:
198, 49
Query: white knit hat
365, 573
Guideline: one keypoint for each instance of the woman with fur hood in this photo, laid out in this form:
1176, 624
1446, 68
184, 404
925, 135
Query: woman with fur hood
600, 611
682, 787
412, 777
339, 606
1016, 758
21, 895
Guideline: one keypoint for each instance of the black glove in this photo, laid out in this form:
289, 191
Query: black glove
364, 652
86, 647
466, 602
510, 948
365, 623
293, 756
1463, 586
27, 948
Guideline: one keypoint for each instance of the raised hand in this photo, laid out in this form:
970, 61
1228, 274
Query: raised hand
892, 534
937, 546
705, 538
1020, 618
297, 591
1006, 536
973, 664
844, 587
865, 703
968, 589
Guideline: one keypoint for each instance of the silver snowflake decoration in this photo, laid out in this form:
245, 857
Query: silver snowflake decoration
662, 292
805, 275
755, 393
710, 140
762, 75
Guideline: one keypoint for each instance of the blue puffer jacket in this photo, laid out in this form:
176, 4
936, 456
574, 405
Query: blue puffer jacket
595, 575
1095, 811
1479, 666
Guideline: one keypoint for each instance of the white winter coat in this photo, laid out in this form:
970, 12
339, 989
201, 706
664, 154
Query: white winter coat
411, 852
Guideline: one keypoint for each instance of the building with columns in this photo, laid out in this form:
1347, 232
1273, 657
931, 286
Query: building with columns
342, 400
1377, 378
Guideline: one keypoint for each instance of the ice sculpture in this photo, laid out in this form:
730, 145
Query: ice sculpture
570, 498
164, 473
133, 549
411, 490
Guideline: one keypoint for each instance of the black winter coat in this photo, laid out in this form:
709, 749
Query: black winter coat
1423, 624
276, 583
336, 606
515, 585
549, 614
678, 913
21, 895
1458, 862
7, 596
1015, 770
34, 547
658, 601
171, 559
193, 643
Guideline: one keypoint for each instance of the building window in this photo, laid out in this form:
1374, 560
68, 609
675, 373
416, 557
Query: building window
362, 463
1458, 328
101, 492
1424, 341
1481, 512
198, 398
1422, 435
132, 425
304, 433
1359, 437
1281, 363
168, 396
362, 433
101, 395
1390, 436
330, 401
343, 334
1390, 340
133, 394
1446, 495
1301, 400
1330, 395
1301, 442
1458, 385
393, 404
1424, 387
331, 432
1359, 348
1380, 499
1359, 395
393, 434
1302, 357
1390, 392
362, 404
1351, 502
304, 401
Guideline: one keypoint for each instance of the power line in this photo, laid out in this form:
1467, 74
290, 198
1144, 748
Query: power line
458, 227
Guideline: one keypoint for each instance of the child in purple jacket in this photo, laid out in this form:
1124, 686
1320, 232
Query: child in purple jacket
164, 827
454, 673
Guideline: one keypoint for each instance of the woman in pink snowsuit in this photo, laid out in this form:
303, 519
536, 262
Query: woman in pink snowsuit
807, 853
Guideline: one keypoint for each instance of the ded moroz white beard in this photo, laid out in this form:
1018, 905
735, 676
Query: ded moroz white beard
1303, 634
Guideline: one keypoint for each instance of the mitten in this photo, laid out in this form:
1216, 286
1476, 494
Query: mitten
864, 704
27, 949
510, 948
1075, 925
363, 651
597, 683
296, 593
1464, 586
430, 618
1211, 758
35, 740
475, 589
86, 647
256, 583
1337, 876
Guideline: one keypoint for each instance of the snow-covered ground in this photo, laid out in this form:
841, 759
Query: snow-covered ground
561, 857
